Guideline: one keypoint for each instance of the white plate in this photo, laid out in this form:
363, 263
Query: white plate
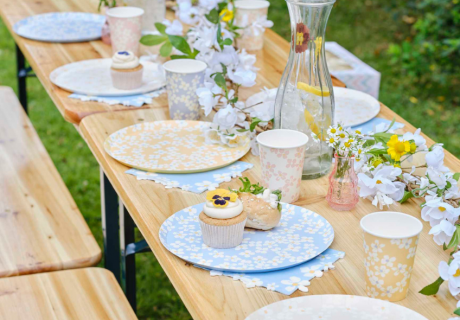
334, 307
300, 236
92, 77
61, 27
352, 107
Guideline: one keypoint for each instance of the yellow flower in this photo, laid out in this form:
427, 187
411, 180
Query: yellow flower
357, 132
377, 162
397, 148
333, 130
347, 144
226, 15
397, 165
413, 147
221, 193
342, 135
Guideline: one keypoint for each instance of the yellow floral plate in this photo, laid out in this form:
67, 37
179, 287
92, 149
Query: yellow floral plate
174, 146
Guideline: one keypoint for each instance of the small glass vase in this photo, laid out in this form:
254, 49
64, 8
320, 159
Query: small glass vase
342, 194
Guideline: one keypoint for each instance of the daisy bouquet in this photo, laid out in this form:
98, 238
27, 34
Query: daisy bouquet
211, 39
393, 168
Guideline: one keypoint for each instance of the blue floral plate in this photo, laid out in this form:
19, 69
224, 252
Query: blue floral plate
61, 27
300, 236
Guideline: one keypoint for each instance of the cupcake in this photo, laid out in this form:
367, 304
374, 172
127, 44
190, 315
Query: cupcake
126, 71
222, 220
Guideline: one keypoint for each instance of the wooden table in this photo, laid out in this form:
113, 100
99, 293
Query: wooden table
150, 204
45, 57
209, 297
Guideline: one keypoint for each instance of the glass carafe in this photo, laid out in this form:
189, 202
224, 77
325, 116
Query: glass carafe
305, 100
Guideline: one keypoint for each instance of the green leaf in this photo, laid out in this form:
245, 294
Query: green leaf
153, 40
433, 288
213, 16
457, 311
219, 36
254, 123
161, 28
407, 196
456, 176
175, 57
227, 42
454, 240
180, 44
166, 49
377, 152
220, 81
391, 125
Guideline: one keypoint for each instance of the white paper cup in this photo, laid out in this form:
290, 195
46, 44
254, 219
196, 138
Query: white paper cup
282, 153
125, 28
247, 12
390, 243
183, 78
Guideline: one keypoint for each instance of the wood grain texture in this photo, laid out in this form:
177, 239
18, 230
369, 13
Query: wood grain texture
84, 294
41, 228
209, 297
45, 57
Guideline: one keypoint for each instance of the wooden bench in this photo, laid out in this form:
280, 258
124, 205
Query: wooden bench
41, 228
86, 294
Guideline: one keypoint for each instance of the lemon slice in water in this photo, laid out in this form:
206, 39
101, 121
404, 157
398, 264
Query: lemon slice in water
316, 90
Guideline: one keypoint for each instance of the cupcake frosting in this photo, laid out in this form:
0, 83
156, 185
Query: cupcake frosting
222, 204
124, 60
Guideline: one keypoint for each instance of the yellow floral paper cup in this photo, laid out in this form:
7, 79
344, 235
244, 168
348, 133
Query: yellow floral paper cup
390, 242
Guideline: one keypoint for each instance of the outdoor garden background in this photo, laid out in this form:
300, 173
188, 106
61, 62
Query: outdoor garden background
415, 44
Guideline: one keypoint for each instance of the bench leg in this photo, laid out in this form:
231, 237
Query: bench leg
22, 76
110, 227
129, 261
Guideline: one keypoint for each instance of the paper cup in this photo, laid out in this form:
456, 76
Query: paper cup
282, 153
247, 12
125, 28
390, 243
183, 78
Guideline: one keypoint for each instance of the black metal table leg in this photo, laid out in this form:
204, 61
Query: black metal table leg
110, 227
22, 75
129, 261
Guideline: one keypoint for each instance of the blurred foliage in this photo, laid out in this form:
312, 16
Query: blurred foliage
430, 49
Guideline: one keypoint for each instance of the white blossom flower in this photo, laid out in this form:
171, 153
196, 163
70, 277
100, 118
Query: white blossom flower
451, 273
226, 118
209, 4
435, 210
435, 159
259, 26
442, 232
438, 177
188, 13
246, 78
419, 141
173, 28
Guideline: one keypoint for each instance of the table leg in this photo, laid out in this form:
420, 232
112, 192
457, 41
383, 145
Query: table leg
22, 76
129, 261
110, 227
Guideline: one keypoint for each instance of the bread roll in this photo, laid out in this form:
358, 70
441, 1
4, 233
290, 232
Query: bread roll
260, 213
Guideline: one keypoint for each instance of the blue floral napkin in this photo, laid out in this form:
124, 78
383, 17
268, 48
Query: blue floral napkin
194, 182
371, 125
130, 101
289, 280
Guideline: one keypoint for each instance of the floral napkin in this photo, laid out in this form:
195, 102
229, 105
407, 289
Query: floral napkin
194, 182
287, 281
130, 101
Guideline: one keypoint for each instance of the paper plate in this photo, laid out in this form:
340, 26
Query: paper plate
300, 236
173, 146
334, 306
61, 27
92, 77
352, 107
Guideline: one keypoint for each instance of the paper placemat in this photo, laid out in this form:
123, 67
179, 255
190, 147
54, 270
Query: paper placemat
195, 182
137, 100
288, 281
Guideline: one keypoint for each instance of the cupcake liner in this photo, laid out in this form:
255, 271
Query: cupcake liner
127, 80
222, 237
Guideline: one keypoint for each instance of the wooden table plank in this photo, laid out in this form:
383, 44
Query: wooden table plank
41, 228
209, 297
84, 294
45, 57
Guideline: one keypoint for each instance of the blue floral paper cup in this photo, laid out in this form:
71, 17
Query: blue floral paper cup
183, 78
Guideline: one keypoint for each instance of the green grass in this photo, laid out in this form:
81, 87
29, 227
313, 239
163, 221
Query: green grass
363, 27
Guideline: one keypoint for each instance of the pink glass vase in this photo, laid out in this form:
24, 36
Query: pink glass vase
343, 185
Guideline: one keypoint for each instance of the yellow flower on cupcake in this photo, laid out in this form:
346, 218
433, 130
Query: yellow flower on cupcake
220, 198
397, 147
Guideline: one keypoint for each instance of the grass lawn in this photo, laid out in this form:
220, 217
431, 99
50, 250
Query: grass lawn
363, 27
